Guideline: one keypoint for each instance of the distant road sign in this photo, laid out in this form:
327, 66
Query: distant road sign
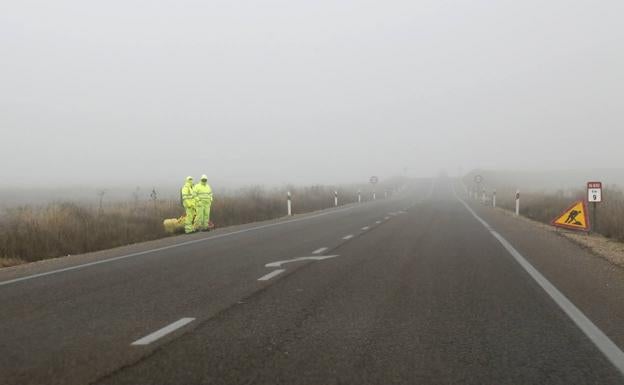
478, 179
594, 191
574, 218
374, 180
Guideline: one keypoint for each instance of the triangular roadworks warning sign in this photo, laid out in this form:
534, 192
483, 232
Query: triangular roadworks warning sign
574, 218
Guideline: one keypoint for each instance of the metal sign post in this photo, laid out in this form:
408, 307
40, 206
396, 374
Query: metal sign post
478, 179
594, 195
374, 180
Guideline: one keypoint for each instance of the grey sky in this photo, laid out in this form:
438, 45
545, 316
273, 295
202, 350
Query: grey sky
305, 92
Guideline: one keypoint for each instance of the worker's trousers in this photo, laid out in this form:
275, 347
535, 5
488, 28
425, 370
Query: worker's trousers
188, 221
203, 216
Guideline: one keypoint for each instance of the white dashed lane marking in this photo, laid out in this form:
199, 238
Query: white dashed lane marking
163, 332
272, 274
348, 237
315, 258
320, 251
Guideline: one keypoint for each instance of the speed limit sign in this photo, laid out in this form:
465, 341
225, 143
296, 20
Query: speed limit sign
594, 191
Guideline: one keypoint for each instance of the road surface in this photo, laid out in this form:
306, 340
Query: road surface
422, 288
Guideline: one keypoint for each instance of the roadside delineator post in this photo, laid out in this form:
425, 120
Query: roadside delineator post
336, 198
483, 196
359, 196
289, 204
517, 202
494, 198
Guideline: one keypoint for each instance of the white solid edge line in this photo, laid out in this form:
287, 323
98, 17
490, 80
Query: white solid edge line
271, 275
163, 332
602, 342
28, 277
347, 237
319, 251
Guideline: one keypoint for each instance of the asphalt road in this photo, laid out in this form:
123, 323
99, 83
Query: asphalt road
413, 290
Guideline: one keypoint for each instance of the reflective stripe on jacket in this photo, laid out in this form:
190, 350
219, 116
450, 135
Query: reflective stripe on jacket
203, 193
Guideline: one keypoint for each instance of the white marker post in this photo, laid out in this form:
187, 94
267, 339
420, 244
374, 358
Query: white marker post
336, 198
359, 196
517, 202
374, 195
483, 196
289, 205
494, 198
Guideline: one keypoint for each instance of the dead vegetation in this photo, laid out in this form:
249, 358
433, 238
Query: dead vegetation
31, 233
544, 206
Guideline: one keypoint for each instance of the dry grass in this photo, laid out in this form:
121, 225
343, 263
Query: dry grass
31, 233
8, 262
544, 206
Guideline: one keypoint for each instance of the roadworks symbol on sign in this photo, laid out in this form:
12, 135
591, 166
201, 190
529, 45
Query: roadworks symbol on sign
575, 217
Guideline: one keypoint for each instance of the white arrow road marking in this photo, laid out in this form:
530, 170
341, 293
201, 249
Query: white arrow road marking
271, 275
280, 263
163, 332
320, 251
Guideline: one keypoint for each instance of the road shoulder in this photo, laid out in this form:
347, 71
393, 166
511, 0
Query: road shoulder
594, 284
102, 256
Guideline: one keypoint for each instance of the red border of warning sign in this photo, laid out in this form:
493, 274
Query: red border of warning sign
585, 214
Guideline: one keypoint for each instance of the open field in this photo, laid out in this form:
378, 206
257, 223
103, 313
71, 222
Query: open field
35, 232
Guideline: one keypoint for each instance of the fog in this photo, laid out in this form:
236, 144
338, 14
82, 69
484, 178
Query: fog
274, 92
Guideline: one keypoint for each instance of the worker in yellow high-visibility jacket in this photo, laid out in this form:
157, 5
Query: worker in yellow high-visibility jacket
203, 192
189, 201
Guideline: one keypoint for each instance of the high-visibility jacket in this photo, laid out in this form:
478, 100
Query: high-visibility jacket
187, 194
203, 192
